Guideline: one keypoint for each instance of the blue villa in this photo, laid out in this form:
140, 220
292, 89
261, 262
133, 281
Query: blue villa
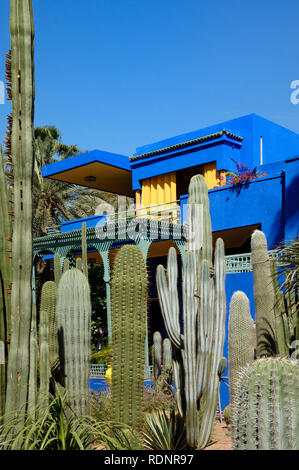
157, 178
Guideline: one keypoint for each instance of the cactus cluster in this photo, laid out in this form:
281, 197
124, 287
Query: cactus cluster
273, 329
263, 392
128, 315
265, 413
161, 354
197, 349
162, 363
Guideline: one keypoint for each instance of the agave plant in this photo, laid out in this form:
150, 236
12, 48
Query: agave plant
165, 431
59, 428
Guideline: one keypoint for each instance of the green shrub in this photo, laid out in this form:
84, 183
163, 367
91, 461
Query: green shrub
165, 431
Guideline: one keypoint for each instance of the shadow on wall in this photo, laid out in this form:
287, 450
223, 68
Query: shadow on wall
285, 223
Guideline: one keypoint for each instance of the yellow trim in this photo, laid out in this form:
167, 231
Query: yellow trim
167, 190
154, 192
159, 189
146, 193
172, 187
209, 173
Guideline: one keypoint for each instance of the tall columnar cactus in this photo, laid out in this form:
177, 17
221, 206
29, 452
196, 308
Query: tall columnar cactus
57, 268
5, 276
84, 250
48, 314
66, 265
157, 354
128, 316
44, 359
265, 414
263, 296
162, 362
167, 354
22, 88
197, 350
241, 338
73, 313
283, 324
32, 392
5, 250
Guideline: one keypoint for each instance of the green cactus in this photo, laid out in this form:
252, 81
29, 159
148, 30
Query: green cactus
48, 310
162, 363
32, 392
198, 350
66, 265
73, 313
44, 358
241, 338
157, 354
167, 355
282, 322
22, 89
5, 277
79, 264
84, 250
265, 413
57, 268
263, 296
128, 316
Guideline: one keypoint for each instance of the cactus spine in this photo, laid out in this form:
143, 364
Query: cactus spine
265, 413
128, 315
198, 350
22, 79
241, 338
73, 313
263, 296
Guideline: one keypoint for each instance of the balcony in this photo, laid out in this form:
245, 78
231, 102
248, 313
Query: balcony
170, 212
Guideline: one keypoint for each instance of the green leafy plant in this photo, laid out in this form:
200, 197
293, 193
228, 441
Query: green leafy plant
165, 431
60, 428
101, 357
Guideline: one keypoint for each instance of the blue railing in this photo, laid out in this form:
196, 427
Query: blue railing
99, 370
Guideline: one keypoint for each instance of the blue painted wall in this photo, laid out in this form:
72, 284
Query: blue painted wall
279, 144
271, 201
76, 224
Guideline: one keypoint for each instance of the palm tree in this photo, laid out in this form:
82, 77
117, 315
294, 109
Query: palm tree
55, 201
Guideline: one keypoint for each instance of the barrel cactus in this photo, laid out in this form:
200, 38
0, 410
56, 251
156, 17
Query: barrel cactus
128, 315
265, 413
73, 313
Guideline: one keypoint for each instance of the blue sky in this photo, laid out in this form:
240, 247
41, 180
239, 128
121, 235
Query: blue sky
118, 74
